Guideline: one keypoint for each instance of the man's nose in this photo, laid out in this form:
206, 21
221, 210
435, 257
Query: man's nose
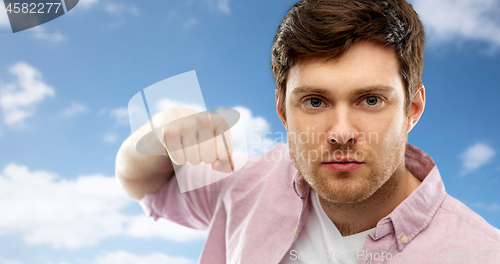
342, 128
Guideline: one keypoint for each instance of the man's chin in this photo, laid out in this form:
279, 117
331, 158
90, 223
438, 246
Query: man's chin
344, 197
344, 187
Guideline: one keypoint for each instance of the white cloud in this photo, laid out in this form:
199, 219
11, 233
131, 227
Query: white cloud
121, 8
18, 99
116, 7
127, 258
41, 33
65, 214
165, 104
446, 21
52, 36
9, 261
223, 6
75, 108
45, 209
220, 5
120, 115
118, 10
109, 138
476, 156
86, 3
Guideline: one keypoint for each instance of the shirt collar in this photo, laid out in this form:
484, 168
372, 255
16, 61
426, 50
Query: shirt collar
413, 214
300, 185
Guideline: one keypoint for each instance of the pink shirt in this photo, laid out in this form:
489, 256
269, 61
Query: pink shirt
254, 216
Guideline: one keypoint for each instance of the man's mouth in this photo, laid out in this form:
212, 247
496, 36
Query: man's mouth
343, 164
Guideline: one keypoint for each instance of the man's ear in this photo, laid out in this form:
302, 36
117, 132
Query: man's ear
278, 110
417, 108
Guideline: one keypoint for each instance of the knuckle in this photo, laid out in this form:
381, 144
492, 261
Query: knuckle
202, 121
178, 157
172, 133
188, 126
222, 155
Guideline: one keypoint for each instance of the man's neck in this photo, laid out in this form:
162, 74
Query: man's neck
357, 217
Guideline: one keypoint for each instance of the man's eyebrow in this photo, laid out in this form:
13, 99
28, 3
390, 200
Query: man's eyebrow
308, 89
357, 92
373, 89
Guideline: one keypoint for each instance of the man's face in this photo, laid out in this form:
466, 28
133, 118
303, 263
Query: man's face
346, 122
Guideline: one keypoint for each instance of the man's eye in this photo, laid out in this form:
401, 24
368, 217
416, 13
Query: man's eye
371, 100
315, 102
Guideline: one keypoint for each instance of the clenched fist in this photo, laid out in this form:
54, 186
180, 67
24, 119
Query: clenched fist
194, 137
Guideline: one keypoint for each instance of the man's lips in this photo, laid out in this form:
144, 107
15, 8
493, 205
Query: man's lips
343, 164
343, 160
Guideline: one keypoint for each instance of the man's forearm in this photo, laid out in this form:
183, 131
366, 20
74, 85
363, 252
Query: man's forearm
141, 174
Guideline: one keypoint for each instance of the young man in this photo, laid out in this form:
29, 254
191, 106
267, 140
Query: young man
348, 188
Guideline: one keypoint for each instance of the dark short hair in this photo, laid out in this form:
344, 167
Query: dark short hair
328, 28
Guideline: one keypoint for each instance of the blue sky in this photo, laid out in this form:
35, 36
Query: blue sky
65, 86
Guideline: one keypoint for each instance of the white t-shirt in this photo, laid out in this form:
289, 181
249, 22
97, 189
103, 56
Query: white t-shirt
321, 242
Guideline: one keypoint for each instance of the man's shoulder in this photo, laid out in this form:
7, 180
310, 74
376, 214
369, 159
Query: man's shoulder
463, 221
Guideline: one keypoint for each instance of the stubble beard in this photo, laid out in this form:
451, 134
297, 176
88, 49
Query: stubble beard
350, 187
